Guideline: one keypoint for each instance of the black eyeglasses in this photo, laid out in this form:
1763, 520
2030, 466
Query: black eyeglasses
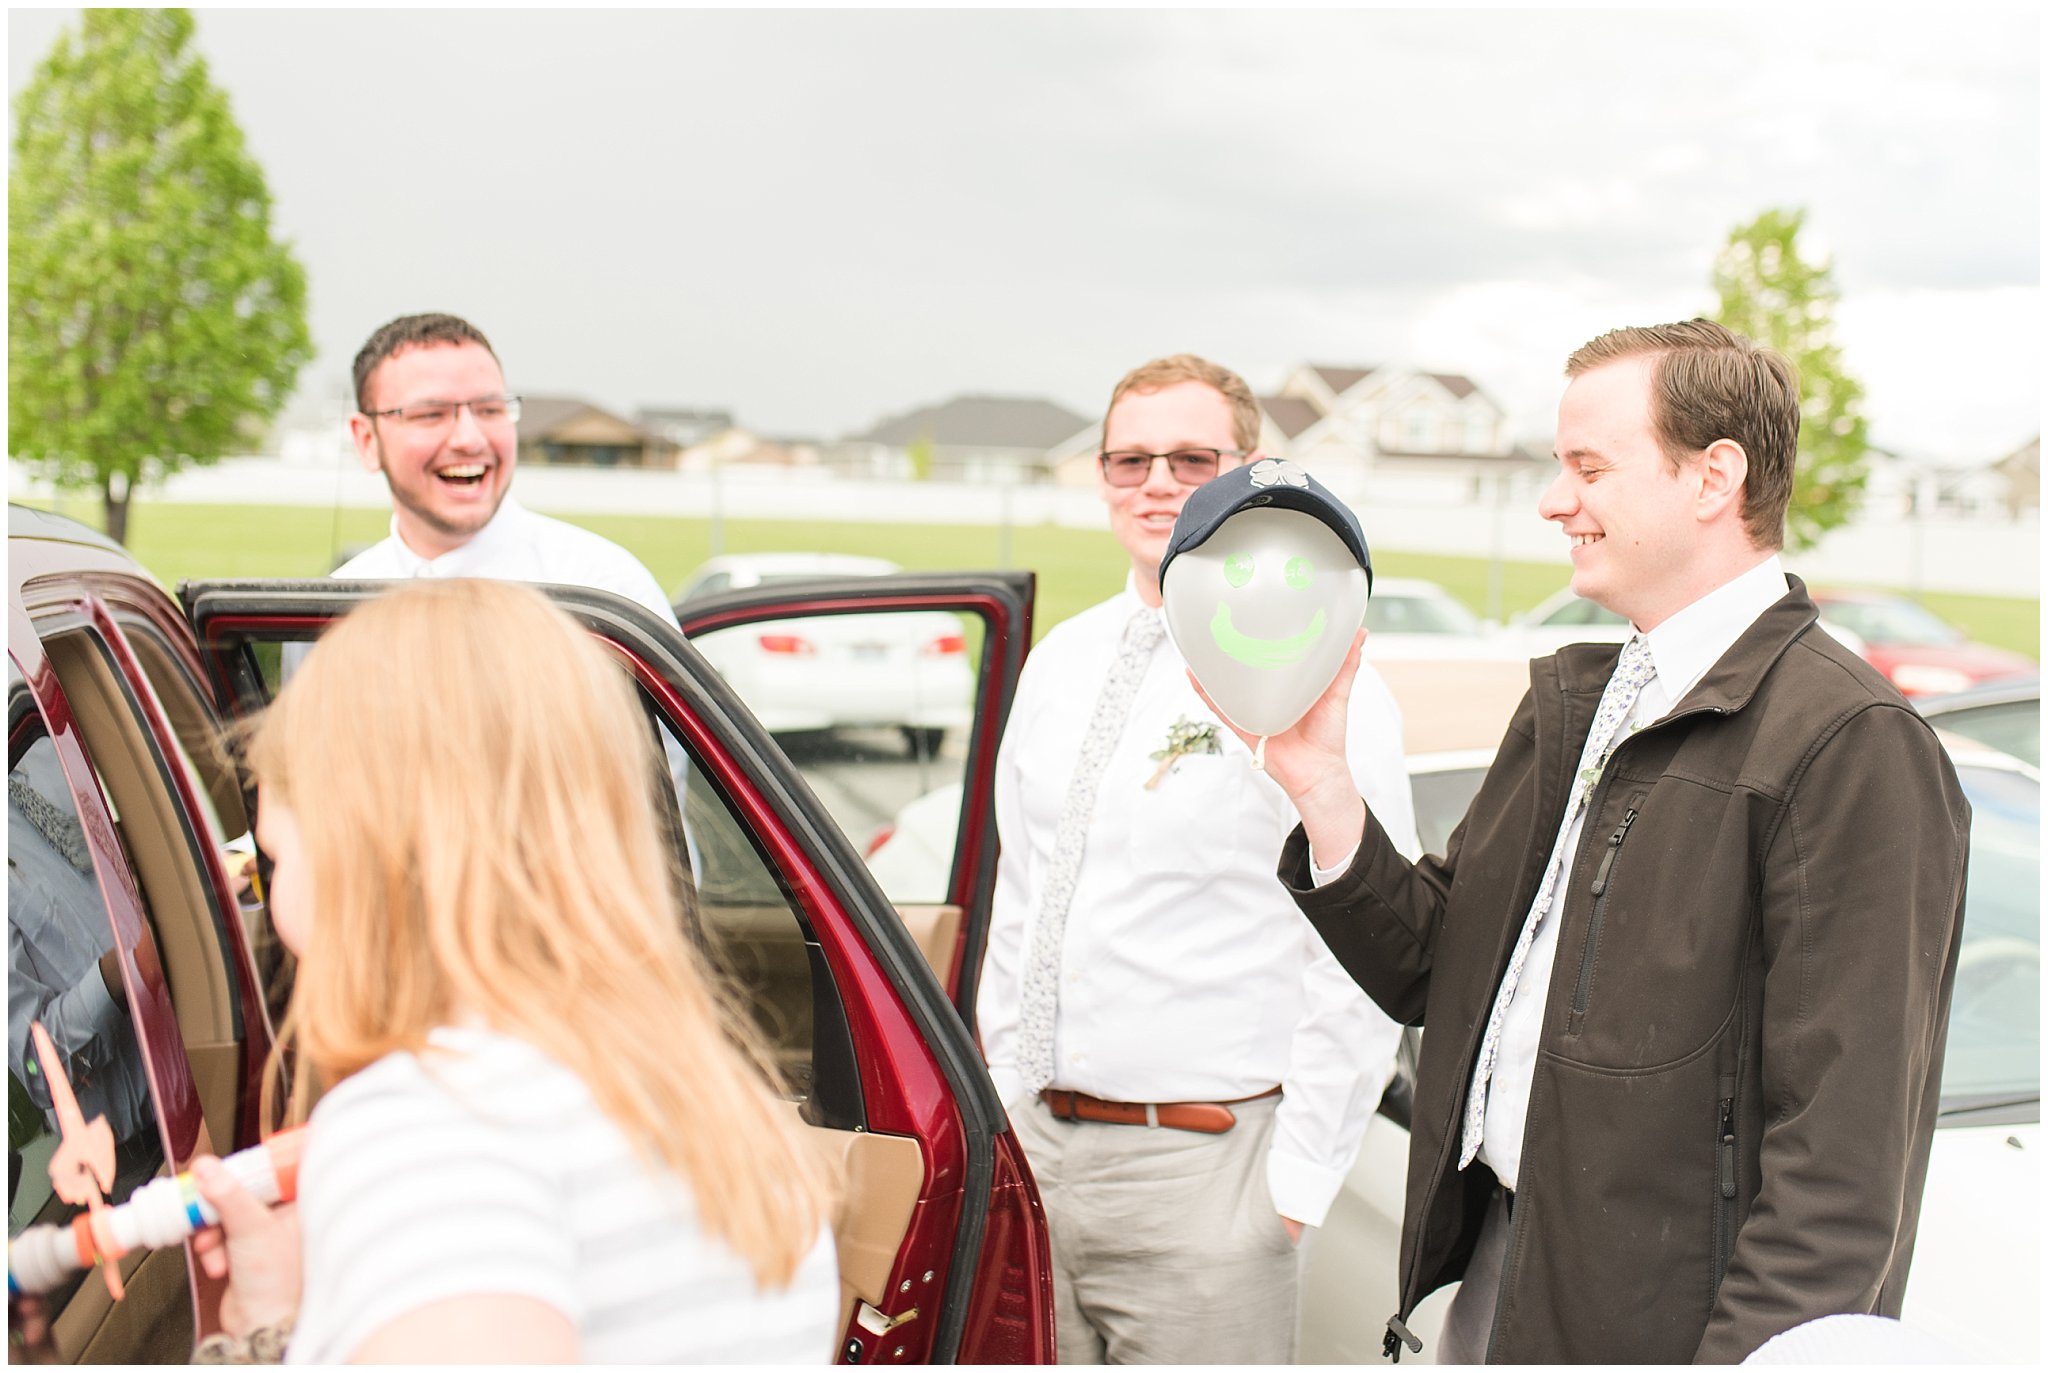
1190, 466
438, 414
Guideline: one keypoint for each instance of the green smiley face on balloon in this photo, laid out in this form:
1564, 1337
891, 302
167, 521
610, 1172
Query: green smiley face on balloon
1263, 611
1239, 570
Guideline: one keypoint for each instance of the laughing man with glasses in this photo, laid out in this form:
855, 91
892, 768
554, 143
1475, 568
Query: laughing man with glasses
434, 416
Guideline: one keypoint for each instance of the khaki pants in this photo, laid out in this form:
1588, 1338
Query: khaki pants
1165, 1244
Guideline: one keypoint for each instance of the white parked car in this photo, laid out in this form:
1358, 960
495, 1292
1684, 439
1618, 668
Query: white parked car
906, 671
1407, 617
1563, 619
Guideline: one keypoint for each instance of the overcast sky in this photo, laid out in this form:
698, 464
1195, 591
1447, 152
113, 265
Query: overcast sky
819, 219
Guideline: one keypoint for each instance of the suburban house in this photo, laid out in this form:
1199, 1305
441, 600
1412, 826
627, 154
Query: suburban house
1382, 425
2021, 470
1919, 485
1001, 440
683, 428
1435, 433
560, 431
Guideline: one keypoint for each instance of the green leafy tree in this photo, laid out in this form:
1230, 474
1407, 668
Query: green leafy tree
1770, 293
153, 321
920, 454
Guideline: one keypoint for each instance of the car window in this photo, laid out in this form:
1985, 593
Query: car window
1994, 1031
875, 710
1891, 622
750, 925
2009, 726
1418, 615
1582, 612
197, 737
1441, 799
57, 929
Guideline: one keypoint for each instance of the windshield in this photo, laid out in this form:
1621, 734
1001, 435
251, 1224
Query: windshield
1994, 1028
1891, 622
1418, 615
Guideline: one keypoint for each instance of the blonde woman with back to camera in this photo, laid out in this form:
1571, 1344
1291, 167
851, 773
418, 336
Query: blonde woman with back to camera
538, 1141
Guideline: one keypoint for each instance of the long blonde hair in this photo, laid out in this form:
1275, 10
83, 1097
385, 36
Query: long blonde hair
473, 780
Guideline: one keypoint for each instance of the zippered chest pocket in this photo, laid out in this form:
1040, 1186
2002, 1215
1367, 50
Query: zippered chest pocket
1589, 954
1651, 952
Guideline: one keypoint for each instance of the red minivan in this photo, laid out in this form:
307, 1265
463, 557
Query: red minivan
124, 811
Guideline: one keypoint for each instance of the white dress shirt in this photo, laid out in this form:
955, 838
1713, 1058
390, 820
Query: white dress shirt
519, 546
1187, 973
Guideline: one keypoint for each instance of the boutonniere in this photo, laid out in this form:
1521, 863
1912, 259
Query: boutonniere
1185, 737
1589, 777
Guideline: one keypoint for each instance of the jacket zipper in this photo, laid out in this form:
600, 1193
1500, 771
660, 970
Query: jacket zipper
1600, 886
1724, 1189
1446, 1151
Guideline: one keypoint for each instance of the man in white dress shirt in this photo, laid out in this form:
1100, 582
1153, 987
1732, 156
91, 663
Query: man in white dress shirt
1188, 1069
434, 416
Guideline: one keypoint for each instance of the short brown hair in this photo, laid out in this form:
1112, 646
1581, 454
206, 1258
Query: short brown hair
1161, 373
412, 331
1710, 384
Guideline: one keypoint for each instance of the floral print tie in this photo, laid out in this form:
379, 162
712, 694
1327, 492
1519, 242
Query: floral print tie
1631, 675
1040, 1001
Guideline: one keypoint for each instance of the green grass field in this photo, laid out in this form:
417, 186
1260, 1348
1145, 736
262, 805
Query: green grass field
1076, 567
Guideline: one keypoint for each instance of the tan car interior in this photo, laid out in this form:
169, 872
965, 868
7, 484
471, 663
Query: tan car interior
760, 950
155, 1318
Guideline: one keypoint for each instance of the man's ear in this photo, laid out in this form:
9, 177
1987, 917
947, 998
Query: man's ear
1723, 471
364, 435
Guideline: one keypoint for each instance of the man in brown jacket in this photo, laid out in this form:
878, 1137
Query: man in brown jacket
1685, 966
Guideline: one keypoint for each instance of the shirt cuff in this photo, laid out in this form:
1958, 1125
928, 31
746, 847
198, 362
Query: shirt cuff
1323, 876
1301, 1190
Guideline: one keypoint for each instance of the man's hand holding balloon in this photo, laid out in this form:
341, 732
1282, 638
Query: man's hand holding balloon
1309, 763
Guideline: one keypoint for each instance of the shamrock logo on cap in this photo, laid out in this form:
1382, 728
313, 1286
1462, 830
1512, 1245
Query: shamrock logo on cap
1274, 471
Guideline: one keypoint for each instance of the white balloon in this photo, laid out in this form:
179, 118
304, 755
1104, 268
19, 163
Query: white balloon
1263, 611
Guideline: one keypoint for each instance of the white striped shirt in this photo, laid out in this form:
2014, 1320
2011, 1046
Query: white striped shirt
489, 1169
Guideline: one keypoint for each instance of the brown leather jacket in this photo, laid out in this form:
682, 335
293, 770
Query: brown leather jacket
1740, 1061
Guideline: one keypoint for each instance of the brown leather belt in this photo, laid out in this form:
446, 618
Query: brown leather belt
1203, 1117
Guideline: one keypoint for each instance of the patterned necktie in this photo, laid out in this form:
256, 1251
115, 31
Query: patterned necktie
1042, 969
1631, 674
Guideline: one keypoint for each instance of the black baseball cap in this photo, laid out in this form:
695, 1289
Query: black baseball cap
1268, 482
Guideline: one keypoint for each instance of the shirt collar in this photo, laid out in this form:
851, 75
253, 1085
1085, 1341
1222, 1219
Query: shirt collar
1137, 601
501, 527
1686, 645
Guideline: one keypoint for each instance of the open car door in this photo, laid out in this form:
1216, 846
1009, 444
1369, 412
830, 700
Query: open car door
890, 694
943, 1252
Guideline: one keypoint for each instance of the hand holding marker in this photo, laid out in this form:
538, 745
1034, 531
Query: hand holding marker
166, 1211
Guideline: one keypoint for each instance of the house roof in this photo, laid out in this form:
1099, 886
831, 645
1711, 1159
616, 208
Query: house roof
1291, 414
980, 421
1516, 454
2025, 458
1458, 386
649, 416
542, 417
1341, 379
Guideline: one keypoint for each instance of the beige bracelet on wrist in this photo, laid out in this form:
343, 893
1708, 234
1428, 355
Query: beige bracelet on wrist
265, 1344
